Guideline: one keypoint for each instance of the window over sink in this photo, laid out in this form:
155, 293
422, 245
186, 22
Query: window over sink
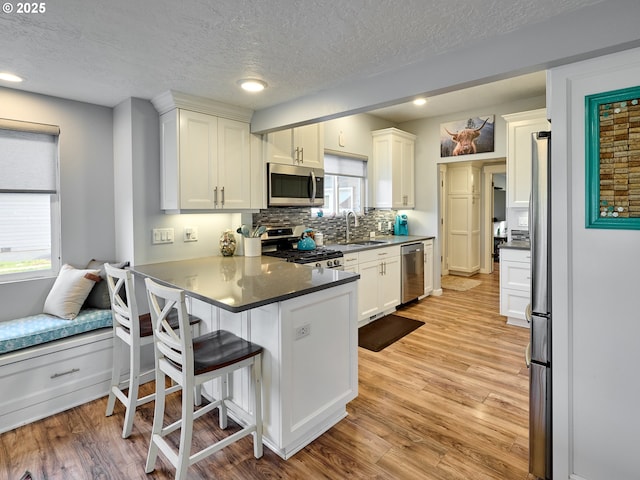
344, 185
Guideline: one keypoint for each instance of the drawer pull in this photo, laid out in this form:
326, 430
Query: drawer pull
73, 370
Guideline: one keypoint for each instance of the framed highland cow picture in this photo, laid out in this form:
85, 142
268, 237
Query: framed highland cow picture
613, 159
467, 136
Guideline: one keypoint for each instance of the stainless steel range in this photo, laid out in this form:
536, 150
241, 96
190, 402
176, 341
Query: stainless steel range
282, 243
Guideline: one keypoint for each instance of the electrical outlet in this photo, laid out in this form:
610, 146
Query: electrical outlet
162, 235
303, 331
190, 234
379, 226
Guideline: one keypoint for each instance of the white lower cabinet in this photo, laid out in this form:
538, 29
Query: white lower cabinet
515, 285
309, 364
428, 267
46, 379
379, 284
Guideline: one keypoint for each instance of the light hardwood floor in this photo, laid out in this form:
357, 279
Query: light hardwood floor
448, 401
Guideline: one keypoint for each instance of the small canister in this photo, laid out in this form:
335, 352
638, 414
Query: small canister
319, 239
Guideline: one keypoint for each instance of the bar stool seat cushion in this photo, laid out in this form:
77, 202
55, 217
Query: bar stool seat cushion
219, 349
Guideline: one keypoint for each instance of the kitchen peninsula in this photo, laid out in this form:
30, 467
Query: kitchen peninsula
306, 320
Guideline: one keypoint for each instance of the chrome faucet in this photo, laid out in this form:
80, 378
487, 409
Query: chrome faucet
346, 218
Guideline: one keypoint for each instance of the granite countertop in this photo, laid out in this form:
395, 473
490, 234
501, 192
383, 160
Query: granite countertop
516, 245
241, 283
376, 242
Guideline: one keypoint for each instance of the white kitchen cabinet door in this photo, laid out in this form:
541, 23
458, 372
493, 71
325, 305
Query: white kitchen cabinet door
309, 140
368, 302
205, 162
198, 173
428, 266
520, 127
394, 168
234, 164
379, 286
389, 288
515, 285
297, 146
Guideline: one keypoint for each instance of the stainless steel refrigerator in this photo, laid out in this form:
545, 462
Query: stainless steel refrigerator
540, 458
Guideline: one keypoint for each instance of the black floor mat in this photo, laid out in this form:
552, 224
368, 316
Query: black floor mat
381, 333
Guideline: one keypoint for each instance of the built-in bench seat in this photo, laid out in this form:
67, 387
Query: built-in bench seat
42, 328
49, 364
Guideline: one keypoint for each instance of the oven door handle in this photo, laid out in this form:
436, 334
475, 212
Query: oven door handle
313, 187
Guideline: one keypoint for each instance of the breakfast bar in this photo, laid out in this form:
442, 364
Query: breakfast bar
305, 319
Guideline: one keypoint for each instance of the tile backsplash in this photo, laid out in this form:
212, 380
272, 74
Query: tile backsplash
520, 235
332, 227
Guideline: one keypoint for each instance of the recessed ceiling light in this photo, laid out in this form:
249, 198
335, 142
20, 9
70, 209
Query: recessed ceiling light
9, 77
252, 84
420, 101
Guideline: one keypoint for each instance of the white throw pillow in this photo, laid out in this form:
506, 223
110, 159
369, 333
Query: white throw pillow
69, 291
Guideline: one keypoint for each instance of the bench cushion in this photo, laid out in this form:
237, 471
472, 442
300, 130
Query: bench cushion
36, 329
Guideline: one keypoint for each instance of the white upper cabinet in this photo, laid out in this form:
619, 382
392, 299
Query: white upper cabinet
206, 162
520, 126
297, 146
394, 168
206, 155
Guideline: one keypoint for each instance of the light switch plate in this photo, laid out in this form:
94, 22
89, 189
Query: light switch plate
161, 235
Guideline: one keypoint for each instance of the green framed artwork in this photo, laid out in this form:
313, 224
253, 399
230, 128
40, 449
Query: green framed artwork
613, 159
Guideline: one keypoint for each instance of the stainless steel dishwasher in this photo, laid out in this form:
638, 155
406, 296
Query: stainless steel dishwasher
412, 270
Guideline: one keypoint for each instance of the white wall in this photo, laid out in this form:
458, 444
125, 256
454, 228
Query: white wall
596, 327
137, 160
424, 218
86, 184
356, 133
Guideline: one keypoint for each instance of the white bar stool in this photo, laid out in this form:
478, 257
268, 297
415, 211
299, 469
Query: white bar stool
130, 335
192, 361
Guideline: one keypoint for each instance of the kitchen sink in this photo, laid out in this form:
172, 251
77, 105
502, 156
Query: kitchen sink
366, 242
361, 243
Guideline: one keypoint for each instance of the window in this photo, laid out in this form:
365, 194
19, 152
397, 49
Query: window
344, 184
29, 206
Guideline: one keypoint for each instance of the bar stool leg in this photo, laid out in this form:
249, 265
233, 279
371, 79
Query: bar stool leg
186, 434
256, 373
224, 394
115, 374
158, 420
132, 394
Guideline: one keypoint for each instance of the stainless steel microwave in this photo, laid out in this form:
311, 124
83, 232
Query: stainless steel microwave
295, 186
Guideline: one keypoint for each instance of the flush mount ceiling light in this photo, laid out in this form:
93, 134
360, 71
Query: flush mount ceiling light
252, 84
9, 77
420, 101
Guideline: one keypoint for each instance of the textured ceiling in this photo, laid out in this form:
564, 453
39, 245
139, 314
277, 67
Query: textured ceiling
106, 52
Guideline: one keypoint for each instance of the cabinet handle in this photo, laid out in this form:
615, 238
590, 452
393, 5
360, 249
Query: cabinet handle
222, 197
73, 370
301, 154
380, 271
215, 197
297, 151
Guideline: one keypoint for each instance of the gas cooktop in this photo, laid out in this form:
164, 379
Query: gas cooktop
306, 256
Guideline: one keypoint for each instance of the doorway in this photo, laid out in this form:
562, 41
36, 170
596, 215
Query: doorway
494, 221
490, 172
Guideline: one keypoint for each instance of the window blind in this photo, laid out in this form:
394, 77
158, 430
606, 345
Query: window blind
351, 167
28, 153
